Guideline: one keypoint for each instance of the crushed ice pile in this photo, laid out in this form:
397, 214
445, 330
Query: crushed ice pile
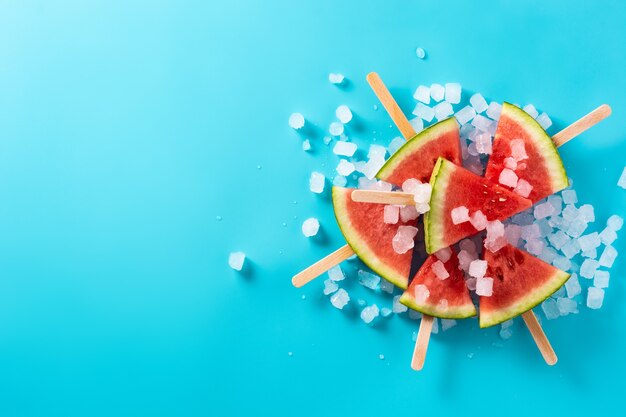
558, 230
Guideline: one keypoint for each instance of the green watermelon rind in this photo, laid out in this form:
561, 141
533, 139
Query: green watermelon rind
414, 144
459, 312
354, 239
530, 301
544, 144
433, 224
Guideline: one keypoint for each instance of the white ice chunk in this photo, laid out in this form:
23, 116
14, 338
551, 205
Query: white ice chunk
386, 286
531, 110
306, 145
510, 163
310, 227
544, 121
589, 242
588, 268
572, 286
424, 112
335, 129
296, 121
444, 254
615, 222
460, 215
417, 124
368, 280
422, 93
478, 220
440, 270
340, 299
595, 297
465, 259
421, 293
558, 239
420, 52
236, 260
478, 103
569, 196
385, 312
316, 182
468, 245
608, 256
369, 313
531, 231
494, 110
453, 93
447, 324
513, 232
482, 123
601, 279
391, 214
345, 168
336, 78
550, 309
508, 178
562, 263
483, 143
571, 248
518, 150
437, 92
478, 268
402, 242
395, 144
330, 287
566, 306
443, 110
408, 213
484, 286
523, 188
397, 306
544, 210
495, 239
344, 114
340, 181
464, 115
535, 246
336, 273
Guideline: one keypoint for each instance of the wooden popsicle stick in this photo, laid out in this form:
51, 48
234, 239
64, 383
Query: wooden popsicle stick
540, 338
582, 124
390, 105
383, 197
421, 344
321, 266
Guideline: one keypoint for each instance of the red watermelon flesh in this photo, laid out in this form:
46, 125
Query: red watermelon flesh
417, 157
448, 298
543, 169
520, 282
454, 186
370, 237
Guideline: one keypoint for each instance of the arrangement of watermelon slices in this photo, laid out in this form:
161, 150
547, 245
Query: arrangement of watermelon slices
520, 282
362, 223
523, 152
447, 298
454, 187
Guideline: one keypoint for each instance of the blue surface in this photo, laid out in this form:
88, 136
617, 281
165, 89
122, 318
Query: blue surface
125, 129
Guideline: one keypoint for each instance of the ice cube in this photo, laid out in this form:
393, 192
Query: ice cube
508, 178
608, 256
336, 79
369, 313
310, 227
523, 219
589, 242
478, 268
316, 182
562, 263
545, 228
391, 214
386, 286
468, 245
368, 280
544, 121
422, 93
510, 163
531, 110
421, 54
535, 246
548, 255
587, 213
570, 212
372, 167
440, 270
495, 239
494, 110
444, 254
296, 121
576, 227
571, 248
306, 145
335, 129
588, 268
523, 188
345, 168
395, 144
615, 222
556, 202
340, 298
336, 273
622, 179
550, 309
340, 181
465, 259
453, 93
478, 220
344, 114
566, 306
397, 306
417, 124
506, 332
437, 92
572, 286
408, 213
513, 232
531, 231
478, 103
402, 242
470, 283
595, 297
377, 152
330, 287
415, 315
481, 123
608, 236
236, 260
591, 253
443, 110
569, 197
484, 286
544, 210
464, 115
483, 143
601, 279
518, 150
385, 312
421, 293
424, 112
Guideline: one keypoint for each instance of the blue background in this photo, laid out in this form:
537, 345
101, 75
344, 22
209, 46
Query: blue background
126, 128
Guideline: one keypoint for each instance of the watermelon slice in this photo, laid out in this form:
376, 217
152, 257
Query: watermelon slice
448, 298
454, 186
543, 169
520, 282
417, 157
370, 238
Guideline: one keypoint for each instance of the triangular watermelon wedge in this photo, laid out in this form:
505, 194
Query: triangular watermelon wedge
448, 298
543, 169
520, 282
417, 157
454, 186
